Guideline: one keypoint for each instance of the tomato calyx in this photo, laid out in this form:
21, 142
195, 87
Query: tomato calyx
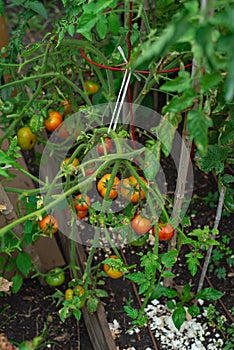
131, 190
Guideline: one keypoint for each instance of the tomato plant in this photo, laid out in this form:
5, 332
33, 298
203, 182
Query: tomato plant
131, 190
55, 277
140, 224
102, 186
48, 224
111, 271
53, 121
165, 231
26, 139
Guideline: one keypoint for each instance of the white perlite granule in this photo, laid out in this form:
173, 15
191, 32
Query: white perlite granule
193, 335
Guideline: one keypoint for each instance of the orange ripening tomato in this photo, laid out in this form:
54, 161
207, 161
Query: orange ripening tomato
107, 146
53, 121
81, 203
74, 163
91, 87
48, 224
140, 224
68, 294
165, 231
103, 185
131, 190
111, 272
79, 291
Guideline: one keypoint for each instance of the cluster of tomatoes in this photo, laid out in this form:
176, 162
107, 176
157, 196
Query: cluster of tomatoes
27, 138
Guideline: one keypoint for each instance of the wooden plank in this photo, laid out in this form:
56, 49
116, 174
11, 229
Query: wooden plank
47, 248
96, 323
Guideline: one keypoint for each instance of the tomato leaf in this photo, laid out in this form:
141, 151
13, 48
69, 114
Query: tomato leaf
179, 84
160, 290
24, 263
198, 123
100, 293
17, 283
113, 23
214, 159
137, 277
209, 294
38, 7
179, 316
77, 313
131, 312
209, 81
101, 27
194, 310
144, 287
169, 258
92, 304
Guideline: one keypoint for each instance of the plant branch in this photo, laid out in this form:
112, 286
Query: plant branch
209, 251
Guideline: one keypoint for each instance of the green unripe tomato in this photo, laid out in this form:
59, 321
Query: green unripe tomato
26, 139
138, 241
55, 277
7, 107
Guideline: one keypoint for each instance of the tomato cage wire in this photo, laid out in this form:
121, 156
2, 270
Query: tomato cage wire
123, 69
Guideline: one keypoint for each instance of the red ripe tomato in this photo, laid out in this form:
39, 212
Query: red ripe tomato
49, 224
82, 213
91, 87
131, 190
107, 146
140, 224
81, 203
103, 185
53, 121
165, 231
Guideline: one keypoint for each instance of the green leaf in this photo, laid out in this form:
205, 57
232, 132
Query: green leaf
144, 287
167, 274
131, 312
100, 293
179, 316
38, 7
211, 294
101, 27
17, 283
92, 304
186, 293
170, 304
113, 23
24, 263
160, 291
165, 133
71, 29
86, 23
194, 310
214, 159
193, 262
137, 277
209, 81
197, 125
227, 179
179, 84
169, 258
77, 313
179, 103
64, 313
152, 161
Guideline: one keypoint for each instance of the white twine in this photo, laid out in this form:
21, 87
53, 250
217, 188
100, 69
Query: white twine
121, 95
